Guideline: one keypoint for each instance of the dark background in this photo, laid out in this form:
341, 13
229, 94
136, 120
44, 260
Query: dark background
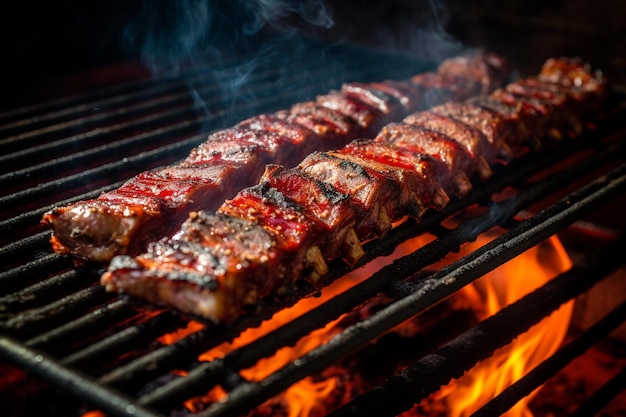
45, 44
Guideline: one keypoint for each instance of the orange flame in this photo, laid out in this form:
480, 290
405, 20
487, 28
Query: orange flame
304, 396
488, 295
463, 396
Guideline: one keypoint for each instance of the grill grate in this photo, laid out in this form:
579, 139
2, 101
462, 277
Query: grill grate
427, 293
459, 355
551, 366
58, 323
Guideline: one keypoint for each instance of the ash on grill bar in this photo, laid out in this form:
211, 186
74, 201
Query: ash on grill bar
352, 231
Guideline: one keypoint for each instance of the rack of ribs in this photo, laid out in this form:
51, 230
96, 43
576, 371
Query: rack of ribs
154, 204
287, 227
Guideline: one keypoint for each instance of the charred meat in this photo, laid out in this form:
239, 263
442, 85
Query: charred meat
119, 222
287, 228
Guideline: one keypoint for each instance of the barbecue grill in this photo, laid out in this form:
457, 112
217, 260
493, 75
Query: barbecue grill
70, 347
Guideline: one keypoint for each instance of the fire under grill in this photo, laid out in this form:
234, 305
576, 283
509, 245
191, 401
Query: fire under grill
62, 335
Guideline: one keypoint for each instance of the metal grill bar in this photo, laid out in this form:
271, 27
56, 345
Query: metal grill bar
109, 313
30, 322
39, 268
149, 100
426, 376
126, 340
43, 291
74, 382
521, 238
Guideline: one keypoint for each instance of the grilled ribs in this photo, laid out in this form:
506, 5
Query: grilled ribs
374, 195
456, 162
323, 204
220, 263
299, 213
468, 136
120, 222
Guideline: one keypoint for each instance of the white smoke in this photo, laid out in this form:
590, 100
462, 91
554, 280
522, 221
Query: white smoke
275, 13
167, 34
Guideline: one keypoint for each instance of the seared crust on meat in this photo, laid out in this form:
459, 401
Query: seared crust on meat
374, 196
209, 252
323, 203
474, 141
457, 166
498, 130
415, 173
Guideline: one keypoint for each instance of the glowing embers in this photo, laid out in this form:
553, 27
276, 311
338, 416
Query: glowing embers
338, 384
304, 398
486, 297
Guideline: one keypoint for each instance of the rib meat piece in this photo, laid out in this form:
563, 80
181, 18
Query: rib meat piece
407, 93
498, 130
145, 208
303, 139
323, 203
573, 72
471, 138
374, 196
457, 165
578, 76
368, 117
565, 119
529, 127
245, 146
214, 267
330, 124
548, 117
295, 233
377, 98
486, 71
415, 175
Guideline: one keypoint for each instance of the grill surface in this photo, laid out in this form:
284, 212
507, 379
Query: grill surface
60, 325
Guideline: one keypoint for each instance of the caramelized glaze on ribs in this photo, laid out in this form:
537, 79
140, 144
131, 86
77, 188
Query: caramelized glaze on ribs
468, 136
238, 257
374, 195
415, 174
302, 212
456, 163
